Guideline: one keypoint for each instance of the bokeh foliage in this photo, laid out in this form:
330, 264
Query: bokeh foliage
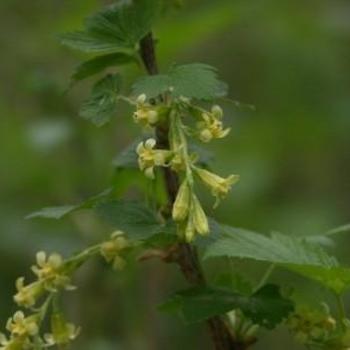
288, 58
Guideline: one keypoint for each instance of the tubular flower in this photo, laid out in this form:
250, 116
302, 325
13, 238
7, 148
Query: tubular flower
50, 270
150, 157
219, 186
111, 249
27, 296
62, 332
145, 113
211, 127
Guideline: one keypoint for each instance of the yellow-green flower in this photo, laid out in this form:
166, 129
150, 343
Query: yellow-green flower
50, 270
62, 332
211, 126
112, 249
20, 326
27, 296
14, 343
150, 157
145, 113
177, 163
218, 185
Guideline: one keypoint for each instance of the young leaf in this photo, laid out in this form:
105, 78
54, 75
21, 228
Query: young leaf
101, 106
133, 217
118, 28
62, 211
194, 80
266, 307
99, 64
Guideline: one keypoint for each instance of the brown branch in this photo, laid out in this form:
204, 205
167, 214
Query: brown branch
186, 254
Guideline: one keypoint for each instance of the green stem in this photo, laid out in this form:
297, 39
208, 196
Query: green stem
76, 261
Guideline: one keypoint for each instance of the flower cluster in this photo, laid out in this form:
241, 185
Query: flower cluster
22, 329
187, 210
52, 275
318, 328
112, 249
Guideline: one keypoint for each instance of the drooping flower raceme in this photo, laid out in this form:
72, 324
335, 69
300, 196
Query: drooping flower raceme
187, 210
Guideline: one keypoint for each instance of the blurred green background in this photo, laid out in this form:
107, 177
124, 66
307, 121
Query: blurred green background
290, 58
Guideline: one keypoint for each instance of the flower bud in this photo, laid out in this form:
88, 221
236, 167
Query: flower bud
141, 99
217, 111
200, 220
190, 230
182, 202
205, 135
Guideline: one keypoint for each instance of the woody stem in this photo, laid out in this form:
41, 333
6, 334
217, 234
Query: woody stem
187, 256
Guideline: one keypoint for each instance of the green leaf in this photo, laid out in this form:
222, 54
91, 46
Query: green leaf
196, 80
277, 248
99, 64
101, 105
336, 278
127, 158
62, 211
133, 217
118, 28
160, 240
266, 307
234, 282
298, 255
53, 212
